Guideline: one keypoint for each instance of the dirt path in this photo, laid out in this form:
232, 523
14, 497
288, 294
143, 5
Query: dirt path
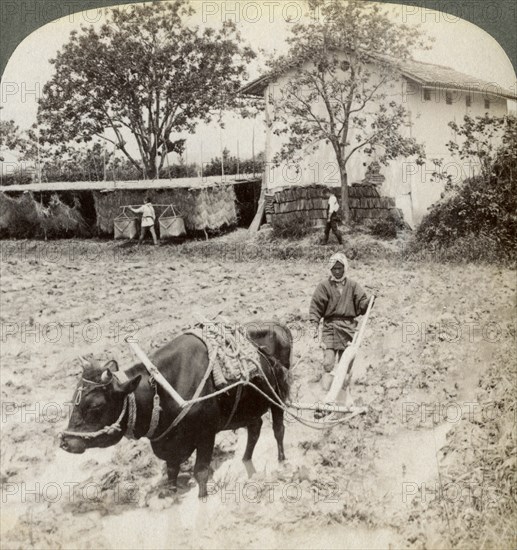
433, 331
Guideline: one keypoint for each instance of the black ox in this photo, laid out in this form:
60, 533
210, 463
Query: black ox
100, 401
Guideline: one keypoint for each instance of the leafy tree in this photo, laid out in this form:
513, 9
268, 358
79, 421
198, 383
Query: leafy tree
182, 170
477, 218
77, 164
143, 76
483, 140
11, 138
233, 165
341, 78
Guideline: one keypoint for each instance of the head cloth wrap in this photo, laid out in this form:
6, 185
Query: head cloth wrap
341, 258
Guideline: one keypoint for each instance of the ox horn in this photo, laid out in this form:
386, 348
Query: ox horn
84, 362
106, 376
111, 365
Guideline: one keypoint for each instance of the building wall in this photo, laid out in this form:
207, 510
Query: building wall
410, 185
430, 116
318, 166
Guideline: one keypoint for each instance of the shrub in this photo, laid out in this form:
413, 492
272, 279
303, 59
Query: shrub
19, 177
474, 220
294, 226
386, 228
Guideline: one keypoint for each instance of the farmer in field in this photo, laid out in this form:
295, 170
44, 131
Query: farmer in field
148, 219
338, 300
332, 220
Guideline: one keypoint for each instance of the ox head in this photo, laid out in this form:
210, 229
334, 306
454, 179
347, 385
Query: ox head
99, 415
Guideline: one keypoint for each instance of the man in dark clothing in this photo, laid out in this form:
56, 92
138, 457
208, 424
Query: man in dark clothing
338, 300
332, 220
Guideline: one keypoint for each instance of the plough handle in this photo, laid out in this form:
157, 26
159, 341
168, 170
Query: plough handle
358, 336
343, 370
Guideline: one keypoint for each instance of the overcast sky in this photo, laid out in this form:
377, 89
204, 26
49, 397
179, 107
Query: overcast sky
264, 24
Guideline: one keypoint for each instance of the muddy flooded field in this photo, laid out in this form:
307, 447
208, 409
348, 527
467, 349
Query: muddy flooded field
372, 482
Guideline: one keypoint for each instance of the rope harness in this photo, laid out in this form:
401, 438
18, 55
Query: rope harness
189, 405
231, 355
107, 430
129, 406
226, 347
155, 415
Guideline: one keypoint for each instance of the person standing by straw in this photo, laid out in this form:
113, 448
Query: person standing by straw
148, 219
332, 220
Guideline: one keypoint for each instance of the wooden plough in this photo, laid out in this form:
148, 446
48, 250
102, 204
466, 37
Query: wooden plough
342, 375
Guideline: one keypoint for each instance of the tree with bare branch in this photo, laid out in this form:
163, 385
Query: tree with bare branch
341, 86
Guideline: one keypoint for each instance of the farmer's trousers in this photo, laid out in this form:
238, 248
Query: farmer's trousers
153, 234
329, 358
332, 224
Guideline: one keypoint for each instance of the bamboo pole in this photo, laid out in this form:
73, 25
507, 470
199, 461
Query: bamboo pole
201, 149
238, 160
329, 407
39, 159
222, 153
253, 149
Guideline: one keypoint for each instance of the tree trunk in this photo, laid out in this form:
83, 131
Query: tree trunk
345, 208
153, 168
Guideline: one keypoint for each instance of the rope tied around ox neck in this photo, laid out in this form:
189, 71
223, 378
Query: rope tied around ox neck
129, 406
155, 415
132, 413
107, 430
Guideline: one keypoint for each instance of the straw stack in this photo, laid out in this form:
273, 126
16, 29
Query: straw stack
60, 220
206, 208
18, 217
25, 217
366, 203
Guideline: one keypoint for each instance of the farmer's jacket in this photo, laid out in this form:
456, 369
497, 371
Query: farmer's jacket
338, 304
148, 214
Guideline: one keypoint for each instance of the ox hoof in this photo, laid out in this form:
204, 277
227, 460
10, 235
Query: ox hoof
168, 491
157, 504
250, 468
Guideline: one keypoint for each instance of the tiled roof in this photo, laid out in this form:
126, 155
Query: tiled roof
439, 76
426, 74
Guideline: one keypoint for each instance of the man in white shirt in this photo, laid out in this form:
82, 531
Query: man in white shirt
148, 219
332, 219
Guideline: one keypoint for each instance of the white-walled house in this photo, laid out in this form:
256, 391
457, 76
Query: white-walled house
433, 96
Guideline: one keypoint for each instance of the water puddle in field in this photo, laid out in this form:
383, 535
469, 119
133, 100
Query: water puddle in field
407, 463
225, 519
188, 522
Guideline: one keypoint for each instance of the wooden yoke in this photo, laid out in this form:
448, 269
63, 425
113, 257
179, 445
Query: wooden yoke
155, 373
343, 370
